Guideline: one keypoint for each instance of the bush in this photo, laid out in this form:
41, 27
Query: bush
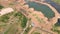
1, 7
4, 18
24, 21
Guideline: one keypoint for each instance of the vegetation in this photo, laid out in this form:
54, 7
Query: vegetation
11, 30
24, 21
36, 33
39, 19
27, 30
12, 18
57, 1
11, 4
1, 7
18, 14
5, 18
58, 23
56, 28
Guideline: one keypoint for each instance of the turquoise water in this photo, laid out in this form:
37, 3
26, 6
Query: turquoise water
43, 8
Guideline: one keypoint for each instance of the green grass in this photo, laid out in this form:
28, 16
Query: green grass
18, 14
11, 30
55, 28
57, 1
57, 24
27, 30
1, 7
36, 33
5, 17
21, 17
24, 21
17, 18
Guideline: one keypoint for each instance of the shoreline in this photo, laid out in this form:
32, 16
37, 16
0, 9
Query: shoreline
36, 22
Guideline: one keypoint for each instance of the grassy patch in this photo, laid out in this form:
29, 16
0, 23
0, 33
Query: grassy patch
12, 18
1, 7
5, 17
56, 28
11, 30
27, 30
18, 14
23, 22
36, 33
57, 1
57, 24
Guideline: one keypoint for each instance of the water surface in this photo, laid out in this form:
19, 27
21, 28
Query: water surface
55, 5
43, 8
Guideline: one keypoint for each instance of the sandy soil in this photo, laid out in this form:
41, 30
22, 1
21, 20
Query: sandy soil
5, 11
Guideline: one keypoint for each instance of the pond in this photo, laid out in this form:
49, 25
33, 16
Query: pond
55, 5
43, 8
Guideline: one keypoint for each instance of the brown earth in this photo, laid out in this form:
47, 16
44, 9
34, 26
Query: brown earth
45, 26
